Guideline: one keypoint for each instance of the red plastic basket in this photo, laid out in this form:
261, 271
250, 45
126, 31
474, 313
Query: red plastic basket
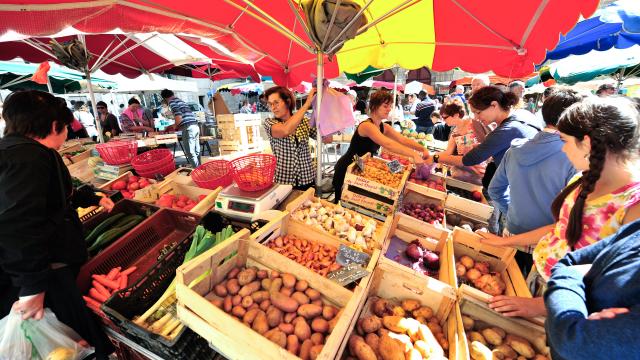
154, 162
212, 174
254, 172
117, 152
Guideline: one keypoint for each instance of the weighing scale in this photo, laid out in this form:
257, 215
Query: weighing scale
246, 205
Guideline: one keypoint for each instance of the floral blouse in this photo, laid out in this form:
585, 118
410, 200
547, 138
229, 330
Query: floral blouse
602, 217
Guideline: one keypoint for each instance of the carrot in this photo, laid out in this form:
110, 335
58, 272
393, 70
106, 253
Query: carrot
129, 270
92, 304
123, 282
96, 295
113, 274
106, 282
101, 289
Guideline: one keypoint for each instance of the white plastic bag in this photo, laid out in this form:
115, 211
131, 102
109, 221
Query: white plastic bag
13, 343
53, 340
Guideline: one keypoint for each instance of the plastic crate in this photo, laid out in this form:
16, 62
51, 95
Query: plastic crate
154, 162
139, 297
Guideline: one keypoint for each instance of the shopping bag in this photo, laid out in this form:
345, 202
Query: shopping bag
336, 112
13, 343
53, 340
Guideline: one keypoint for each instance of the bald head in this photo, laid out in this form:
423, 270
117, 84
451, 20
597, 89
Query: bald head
478, 82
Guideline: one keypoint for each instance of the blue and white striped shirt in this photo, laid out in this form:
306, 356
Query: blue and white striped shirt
180, 108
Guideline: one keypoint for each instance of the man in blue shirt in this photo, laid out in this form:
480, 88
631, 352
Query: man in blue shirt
186, 122
423, 111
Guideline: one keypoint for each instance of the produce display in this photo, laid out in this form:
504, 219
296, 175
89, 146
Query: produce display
401, 331
478, 274
475, 195
377, 170
422, 138
109, 230
321, 258
180, 202
391, 156
129, 186
415, 256
104, 285
70, 154
488, 342
429, 213
338, 221
435, 184
278, 306
454, 219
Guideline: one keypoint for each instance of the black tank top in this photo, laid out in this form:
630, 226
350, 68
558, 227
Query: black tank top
361, 145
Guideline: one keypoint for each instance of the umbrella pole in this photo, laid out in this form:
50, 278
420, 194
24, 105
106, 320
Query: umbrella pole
49, 85
395, 92
319, 81
93, 106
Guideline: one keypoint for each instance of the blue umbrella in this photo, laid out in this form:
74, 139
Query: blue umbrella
617, 25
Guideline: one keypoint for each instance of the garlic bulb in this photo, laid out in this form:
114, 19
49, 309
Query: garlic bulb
307, 203
351, 235
360, 241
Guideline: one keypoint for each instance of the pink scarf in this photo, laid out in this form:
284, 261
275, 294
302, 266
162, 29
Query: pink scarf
130, 115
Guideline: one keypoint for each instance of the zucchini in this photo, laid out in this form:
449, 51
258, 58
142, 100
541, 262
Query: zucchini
102, 227
112, 234
125, 220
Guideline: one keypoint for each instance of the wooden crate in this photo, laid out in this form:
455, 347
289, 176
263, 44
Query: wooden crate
380, 235
479, 311
373, 187
239, 129
181, 175
500, 259
394, 283
82, 171
166, 138
414, 193
152, 193
368, 201
468, 210
459, 184
285, 225
229, 336
124, 177
431, 237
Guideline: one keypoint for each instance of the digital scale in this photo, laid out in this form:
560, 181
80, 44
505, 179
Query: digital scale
245, 205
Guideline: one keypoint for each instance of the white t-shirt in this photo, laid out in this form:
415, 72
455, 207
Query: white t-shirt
87, 120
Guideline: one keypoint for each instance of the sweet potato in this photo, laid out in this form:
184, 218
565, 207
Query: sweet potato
302, 285
315, 351
309, 311
288, 280
305, 348
260, 324
246, 276
317, 339
284, 302
293, 344
320, 325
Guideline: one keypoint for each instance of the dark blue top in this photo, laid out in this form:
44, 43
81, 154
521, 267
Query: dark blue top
612, 281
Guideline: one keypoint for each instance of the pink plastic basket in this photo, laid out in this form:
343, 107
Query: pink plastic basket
154, 162
117, 152
212, 174
254, 172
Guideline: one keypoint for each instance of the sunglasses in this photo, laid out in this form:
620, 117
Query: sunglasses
100, 107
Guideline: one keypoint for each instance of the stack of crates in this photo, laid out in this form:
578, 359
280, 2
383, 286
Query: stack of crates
240, 132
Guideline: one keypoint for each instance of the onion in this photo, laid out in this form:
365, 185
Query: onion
431, 260
414, 252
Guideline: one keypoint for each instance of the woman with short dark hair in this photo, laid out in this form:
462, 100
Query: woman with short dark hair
371, 134
108, 121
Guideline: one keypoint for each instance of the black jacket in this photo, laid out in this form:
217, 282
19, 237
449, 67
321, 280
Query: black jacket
37, 228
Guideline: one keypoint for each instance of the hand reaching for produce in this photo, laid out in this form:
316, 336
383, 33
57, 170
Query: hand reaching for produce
491, 239
30, 306
107, 204
417, 159
607, 313
513, 306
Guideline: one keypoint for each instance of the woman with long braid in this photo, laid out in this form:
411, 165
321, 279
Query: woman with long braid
601, 139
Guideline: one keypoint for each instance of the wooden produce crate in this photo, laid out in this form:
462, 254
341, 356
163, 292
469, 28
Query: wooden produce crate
124, 177
239, 131
388, 193
404, 230
468, 211
285, 225
166, 138
394, 283
414, 193
500, 259
152, 193
459, 186
485, 317
380, 234
230, 337
181, 175
82, 171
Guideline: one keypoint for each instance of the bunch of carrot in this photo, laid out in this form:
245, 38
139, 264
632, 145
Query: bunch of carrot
105, 285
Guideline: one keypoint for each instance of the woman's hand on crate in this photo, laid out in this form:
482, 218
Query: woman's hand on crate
494, 240
514, 306
107, 204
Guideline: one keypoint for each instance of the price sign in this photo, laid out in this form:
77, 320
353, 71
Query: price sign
347, 274
395, 166
347, 255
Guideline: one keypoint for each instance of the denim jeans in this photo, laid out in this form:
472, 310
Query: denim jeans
191, 144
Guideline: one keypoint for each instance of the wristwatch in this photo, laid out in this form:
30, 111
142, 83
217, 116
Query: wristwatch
436, 157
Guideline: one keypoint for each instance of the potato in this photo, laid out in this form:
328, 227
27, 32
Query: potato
302, 330
473, 274
265, 304
233, 273
493, 335
393, 323
404, 339
260, 296
262, 274
283, 302
520, 345
274, 316
266, 284
288, 317
293, 345
409, 305
390, 349
246, 302
460, 270
434, 327
373, 340
329, 312
398, 311
320, 325
318, 302
413, 354
479, 351
467, 261
279, 338
300, 297
482, 266
317, 339
288, 280
309, 311
238, 311
228, 304
315, 351
424, 312
232, 286
312, 294
360, 349
476, 336
249, 316
246, 276
370, 324
218, 302
276, 285
287, 291
221, 289
305, 348
422, 320
505, 350
302, 285
274, 274
260, 324
249, 289
236, 300
442, 341
379, 307
467, 322
334, 321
